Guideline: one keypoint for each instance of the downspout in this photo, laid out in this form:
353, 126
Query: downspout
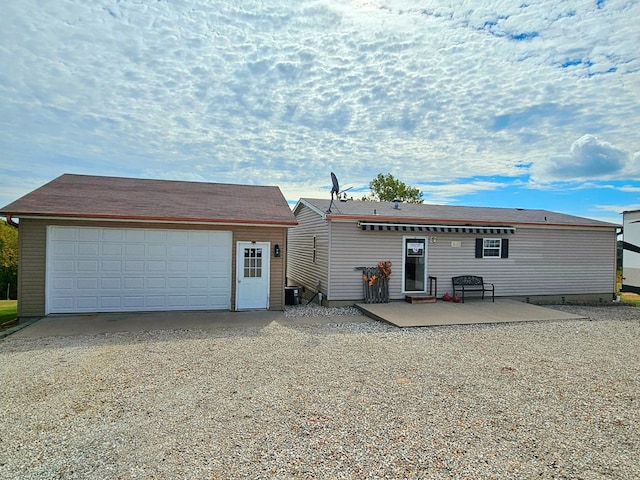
11, 221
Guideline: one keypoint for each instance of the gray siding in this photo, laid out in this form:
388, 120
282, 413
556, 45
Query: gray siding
301, 270
542, 261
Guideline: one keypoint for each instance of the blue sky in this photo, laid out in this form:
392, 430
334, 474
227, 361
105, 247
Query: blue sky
490, 103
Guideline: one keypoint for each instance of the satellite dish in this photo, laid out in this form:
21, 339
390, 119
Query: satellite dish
336, 185
335, 189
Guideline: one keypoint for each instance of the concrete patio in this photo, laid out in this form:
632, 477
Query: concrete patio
403, 314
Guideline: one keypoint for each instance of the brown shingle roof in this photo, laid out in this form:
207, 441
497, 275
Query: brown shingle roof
85, 196
426, 213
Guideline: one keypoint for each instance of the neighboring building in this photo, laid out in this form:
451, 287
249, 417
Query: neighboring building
631, 252
532, 255
106, 244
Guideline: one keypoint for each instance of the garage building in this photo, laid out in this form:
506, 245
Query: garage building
109, 244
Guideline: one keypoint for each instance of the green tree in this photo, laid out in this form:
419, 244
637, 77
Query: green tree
8, 261
386, 188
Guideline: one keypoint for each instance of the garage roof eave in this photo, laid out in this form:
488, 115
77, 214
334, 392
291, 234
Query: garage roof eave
176, 220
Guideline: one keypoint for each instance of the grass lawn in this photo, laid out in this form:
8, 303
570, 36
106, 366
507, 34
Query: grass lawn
630, 299
8, 310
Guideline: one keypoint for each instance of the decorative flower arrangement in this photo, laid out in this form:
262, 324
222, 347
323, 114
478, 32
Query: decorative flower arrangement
384, 271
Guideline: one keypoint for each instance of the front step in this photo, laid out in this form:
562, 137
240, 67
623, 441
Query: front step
420, 298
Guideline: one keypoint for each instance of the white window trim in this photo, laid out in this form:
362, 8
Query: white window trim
426, 257
498, 248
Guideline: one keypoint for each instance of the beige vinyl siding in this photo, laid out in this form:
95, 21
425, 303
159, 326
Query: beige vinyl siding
301, 270
276, 236
32, 257
351, 248
542, 261
32, 245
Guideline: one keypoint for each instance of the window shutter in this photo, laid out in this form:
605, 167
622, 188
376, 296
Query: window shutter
479, 244
504, 252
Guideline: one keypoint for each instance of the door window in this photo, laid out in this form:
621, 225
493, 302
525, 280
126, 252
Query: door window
415, 264
253, 262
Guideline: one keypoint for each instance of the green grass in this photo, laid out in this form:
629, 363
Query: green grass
8, 310
627, 298
630, 299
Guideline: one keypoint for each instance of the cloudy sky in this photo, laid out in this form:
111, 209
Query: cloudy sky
531, 104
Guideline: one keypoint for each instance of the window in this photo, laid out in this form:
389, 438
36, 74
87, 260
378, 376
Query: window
315, 249
492, 248
252, 262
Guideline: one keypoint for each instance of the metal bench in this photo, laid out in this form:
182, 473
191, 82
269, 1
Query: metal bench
472, 283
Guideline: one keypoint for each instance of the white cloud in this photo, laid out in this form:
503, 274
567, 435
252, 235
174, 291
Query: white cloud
588, 158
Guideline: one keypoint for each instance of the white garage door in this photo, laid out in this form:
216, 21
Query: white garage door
134, 269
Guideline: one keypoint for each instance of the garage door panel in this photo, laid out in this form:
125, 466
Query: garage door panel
157, 282
88, 283
88, 302
134, 235
88, 249
83, 266
111, 283
88, 234
175, 266
112, 235
65, 249
137, 269
134, 302
134, 250
64, 266
63, 304
111, 249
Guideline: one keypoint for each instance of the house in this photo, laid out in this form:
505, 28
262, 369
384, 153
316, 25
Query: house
631, 252
532, 255
106, 244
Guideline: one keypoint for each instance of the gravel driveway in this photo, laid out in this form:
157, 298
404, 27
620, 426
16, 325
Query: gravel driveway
339, 400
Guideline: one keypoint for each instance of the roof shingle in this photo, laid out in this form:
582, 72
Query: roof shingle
86, 196
427, 213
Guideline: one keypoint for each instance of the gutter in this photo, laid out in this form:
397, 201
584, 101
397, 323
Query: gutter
11, 221
185, 221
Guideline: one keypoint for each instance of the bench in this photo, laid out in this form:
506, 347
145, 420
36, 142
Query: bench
472, 283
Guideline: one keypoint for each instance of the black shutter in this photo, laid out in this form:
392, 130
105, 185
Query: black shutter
479, 245
504, 251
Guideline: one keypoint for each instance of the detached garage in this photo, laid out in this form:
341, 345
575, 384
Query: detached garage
106, 244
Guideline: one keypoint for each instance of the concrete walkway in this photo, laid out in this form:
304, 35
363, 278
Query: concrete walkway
403, 314
99, 323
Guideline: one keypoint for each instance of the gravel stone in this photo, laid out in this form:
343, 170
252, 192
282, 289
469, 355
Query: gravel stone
343, 400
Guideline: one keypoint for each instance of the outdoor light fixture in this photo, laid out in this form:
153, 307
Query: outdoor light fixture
276, 250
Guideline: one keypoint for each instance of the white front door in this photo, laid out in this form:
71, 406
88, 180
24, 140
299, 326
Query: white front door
252, 275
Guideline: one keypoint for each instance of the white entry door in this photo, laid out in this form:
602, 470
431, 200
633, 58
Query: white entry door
252, 276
